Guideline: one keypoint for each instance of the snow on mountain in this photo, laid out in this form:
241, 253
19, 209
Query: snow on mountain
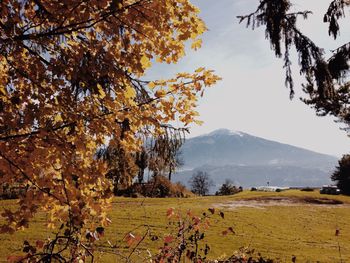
223, 146
238, 155
225, 132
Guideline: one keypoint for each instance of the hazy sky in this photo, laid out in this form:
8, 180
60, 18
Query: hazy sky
252, 97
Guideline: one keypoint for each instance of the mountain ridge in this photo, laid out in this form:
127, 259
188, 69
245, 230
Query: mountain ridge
239, 155
227, 147
224, 131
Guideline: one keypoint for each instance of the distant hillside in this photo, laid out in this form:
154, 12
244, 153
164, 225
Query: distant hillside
249, 176
251, 161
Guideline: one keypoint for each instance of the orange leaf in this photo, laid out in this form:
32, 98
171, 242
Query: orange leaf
39, 244
168, 239
130, 239
170, 212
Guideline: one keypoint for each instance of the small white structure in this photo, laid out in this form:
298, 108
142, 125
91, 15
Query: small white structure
271, 188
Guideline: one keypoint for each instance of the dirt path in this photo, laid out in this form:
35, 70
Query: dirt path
262, 202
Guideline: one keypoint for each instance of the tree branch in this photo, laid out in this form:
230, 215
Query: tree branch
30, 179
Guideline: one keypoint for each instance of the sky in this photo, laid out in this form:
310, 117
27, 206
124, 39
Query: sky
252, 97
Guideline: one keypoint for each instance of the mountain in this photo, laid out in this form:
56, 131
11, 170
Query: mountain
251, 161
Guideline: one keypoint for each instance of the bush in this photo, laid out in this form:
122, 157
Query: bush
186, 241
307, 189
228, 188
158, 186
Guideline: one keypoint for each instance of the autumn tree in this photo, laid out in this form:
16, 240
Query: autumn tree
201, 183
341, 175
327, 83
71, 82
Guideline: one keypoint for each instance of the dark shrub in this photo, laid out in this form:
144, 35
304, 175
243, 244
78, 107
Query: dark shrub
342, 174
307, 189
228, 188
158, 186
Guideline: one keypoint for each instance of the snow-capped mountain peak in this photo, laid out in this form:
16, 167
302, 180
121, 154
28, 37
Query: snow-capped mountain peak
225, 132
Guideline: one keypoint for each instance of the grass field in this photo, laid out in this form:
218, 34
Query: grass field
278, 225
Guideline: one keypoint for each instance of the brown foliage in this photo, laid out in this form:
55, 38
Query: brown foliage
159, 186
71, 81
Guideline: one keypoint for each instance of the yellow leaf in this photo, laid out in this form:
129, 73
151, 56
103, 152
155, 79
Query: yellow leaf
145, 62
200, 70
2, 90
168, 60
198, 122
160, 93
58, 118
129, 92
151, 85
196, 44
101, 91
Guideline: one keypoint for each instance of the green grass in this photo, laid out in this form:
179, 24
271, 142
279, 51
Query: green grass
304, 230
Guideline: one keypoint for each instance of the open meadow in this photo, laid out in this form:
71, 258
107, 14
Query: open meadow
277, 225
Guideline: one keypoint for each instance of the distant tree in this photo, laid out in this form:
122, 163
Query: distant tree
159, 155
228, 188
121, 166
200, 183
342, 174
141, 161
176, 162
165, 152
327, 78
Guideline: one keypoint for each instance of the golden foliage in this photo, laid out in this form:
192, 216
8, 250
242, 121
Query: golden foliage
70, 79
